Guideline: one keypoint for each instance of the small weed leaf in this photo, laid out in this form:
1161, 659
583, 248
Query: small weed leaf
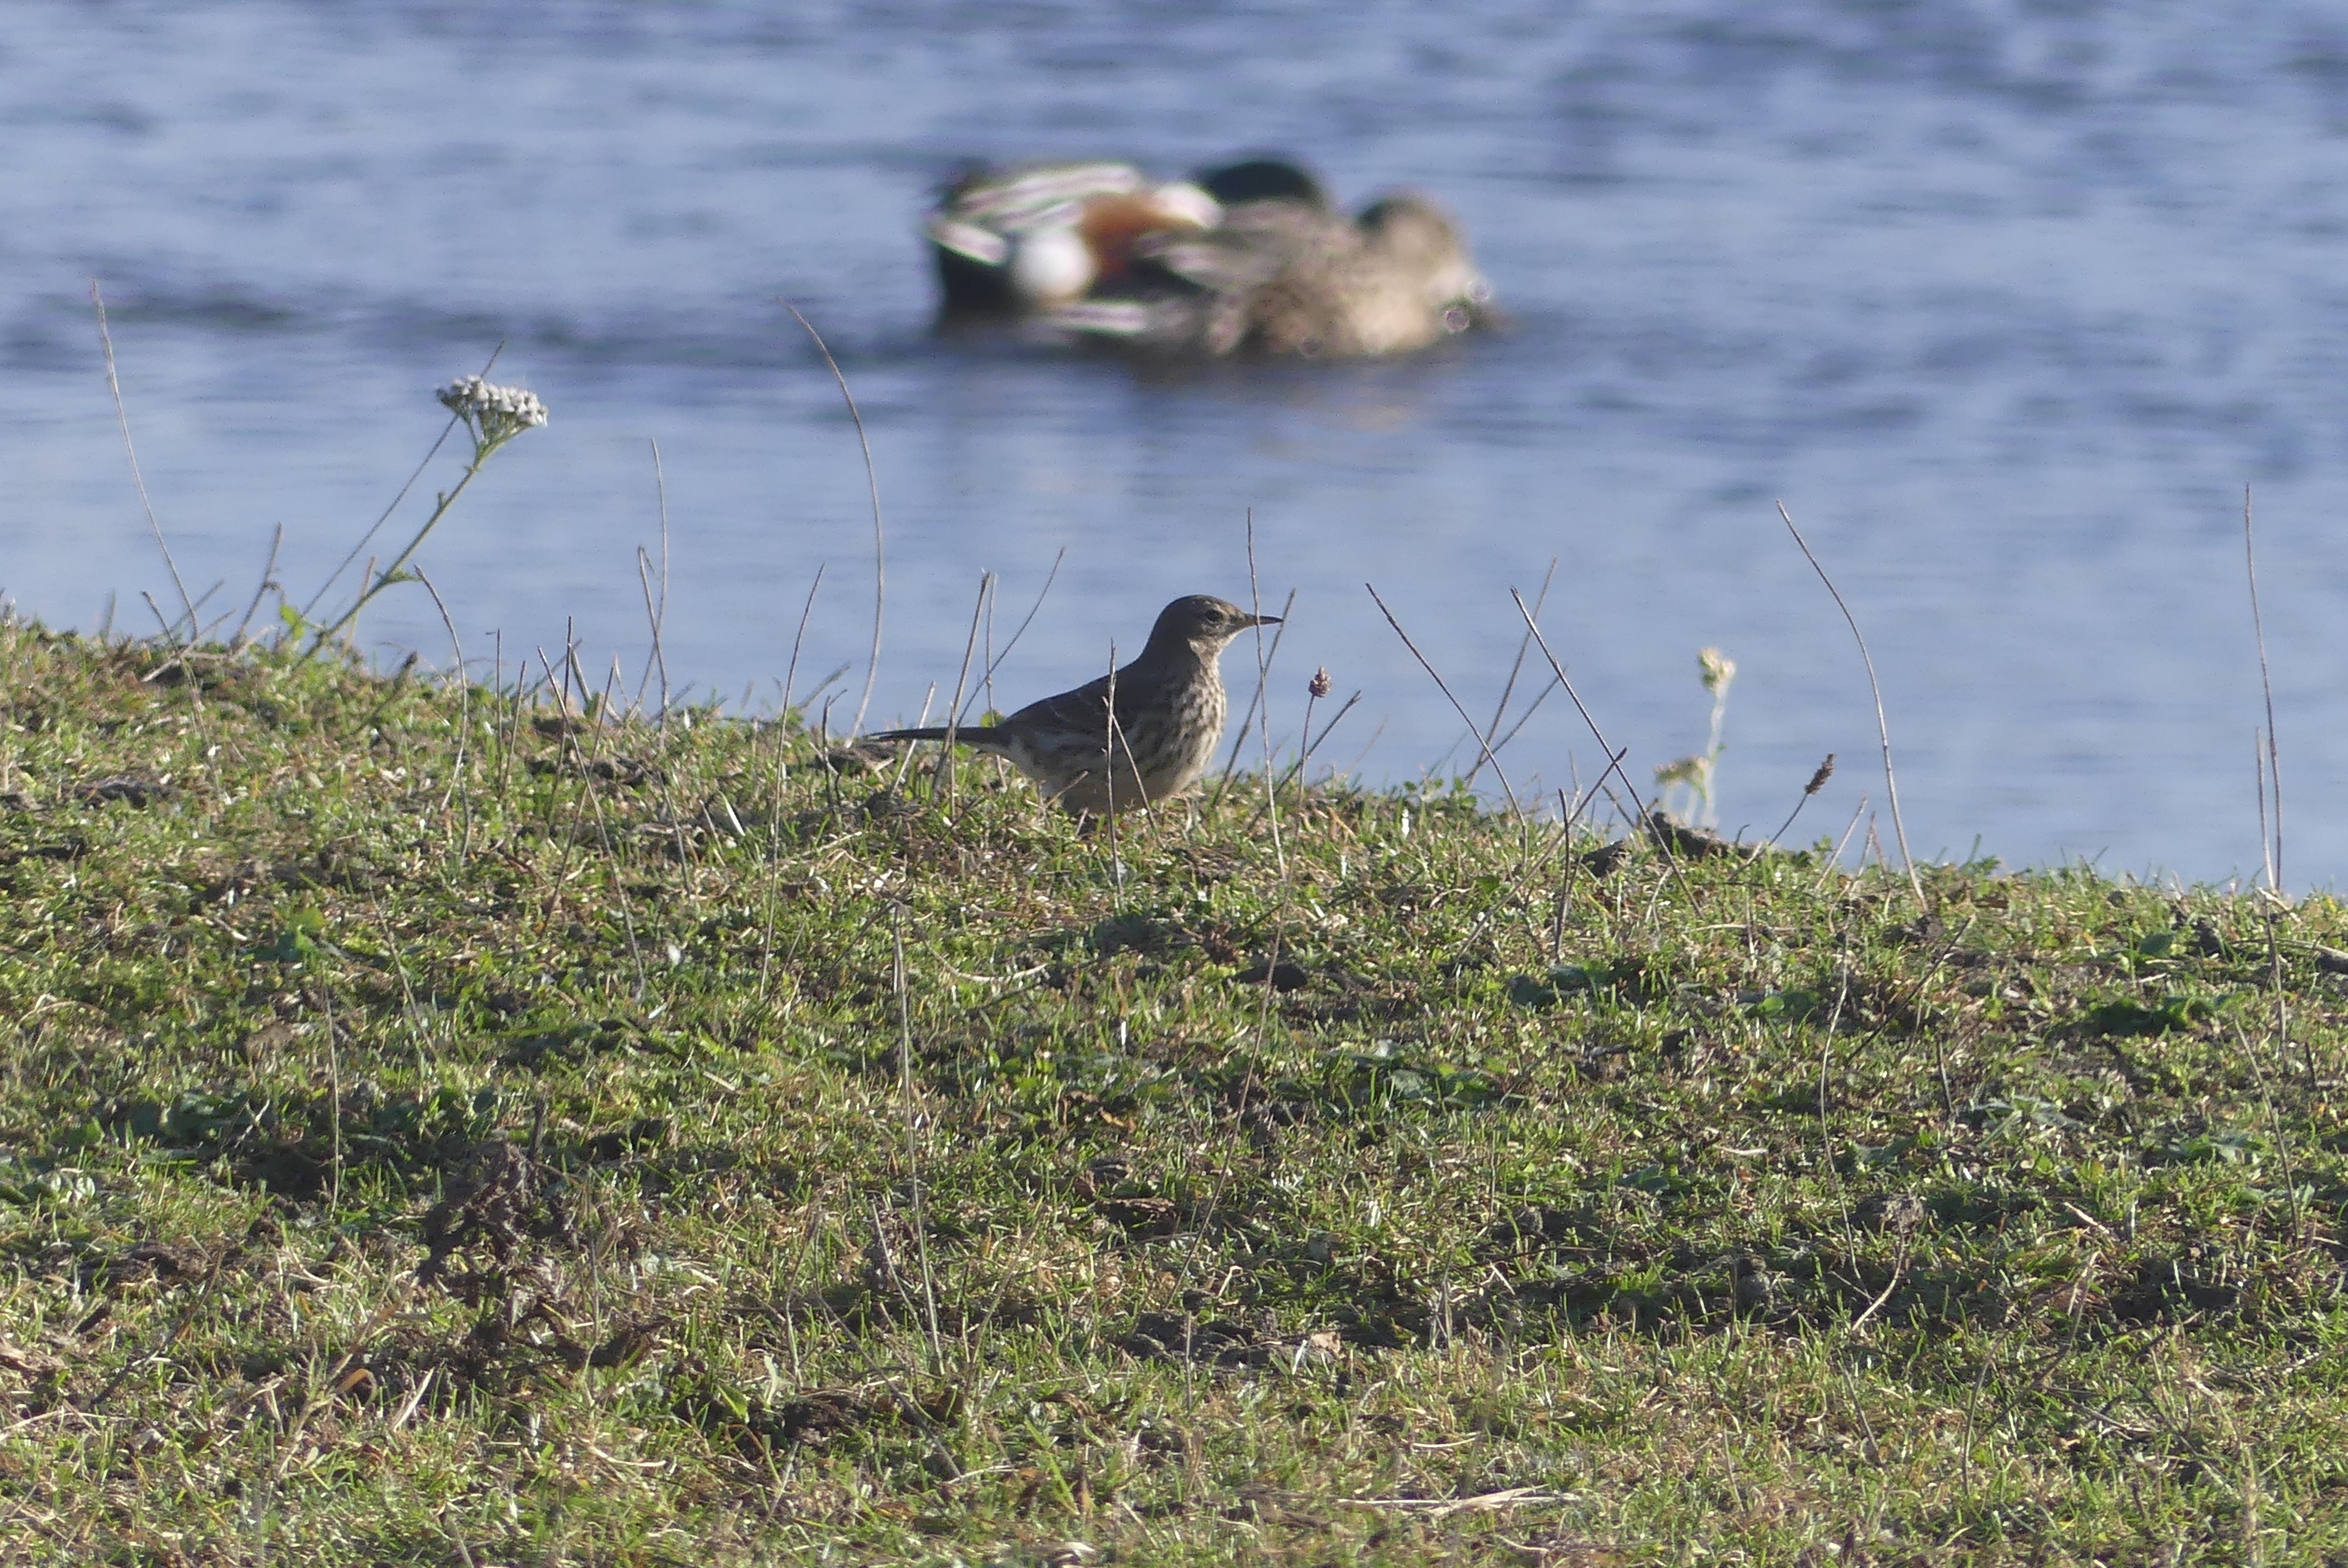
1787, 1006
1383, 1073
25, 1186
1543, 991
2215, 1146
193, 1120
298, 939
2126, 1016
1655, 1181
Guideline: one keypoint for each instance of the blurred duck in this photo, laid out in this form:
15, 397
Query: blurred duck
1282, 274
1019, 242
1250, 257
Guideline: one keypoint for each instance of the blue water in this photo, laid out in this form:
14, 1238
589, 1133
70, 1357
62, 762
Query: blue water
2007, 302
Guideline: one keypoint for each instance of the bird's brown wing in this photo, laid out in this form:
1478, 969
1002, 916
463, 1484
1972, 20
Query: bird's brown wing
1082, 710
1085, 710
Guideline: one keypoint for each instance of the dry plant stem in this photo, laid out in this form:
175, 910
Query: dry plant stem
1843, 843
1818, 782
217, 622
775, 817
1108, 759
511, 725
1571, 810
1265, 659
994, 661
799, 639
873, 483
1524, 718
655, 611
1305, 732
1262, 703
261, 591
2273, 848
961, 677
1882, 725
2270, 796
1506, 788
1508, 689
122, 418
1613, 757
574, 674
2259, 776
1296, 771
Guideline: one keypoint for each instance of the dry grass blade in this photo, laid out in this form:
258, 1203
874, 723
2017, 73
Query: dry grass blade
873, 483
961, 677
2270, 802
1509, 688
656, 609
2271, 792
122, 417
261, 589
1482, 1503
994, 661
1485, 750
1613, 757
1261, 705
1882, 724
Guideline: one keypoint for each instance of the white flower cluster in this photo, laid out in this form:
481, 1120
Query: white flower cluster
497, 413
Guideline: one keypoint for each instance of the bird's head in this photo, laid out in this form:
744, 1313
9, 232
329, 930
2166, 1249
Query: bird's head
1419, 238
1202, 623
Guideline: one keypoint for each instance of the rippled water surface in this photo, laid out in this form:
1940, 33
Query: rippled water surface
2008, 302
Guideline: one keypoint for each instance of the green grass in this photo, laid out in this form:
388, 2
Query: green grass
431, 1139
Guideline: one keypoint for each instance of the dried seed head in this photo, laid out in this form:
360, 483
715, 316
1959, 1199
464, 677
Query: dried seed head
1718, 669
1818, 779
1319, 684
1688, 771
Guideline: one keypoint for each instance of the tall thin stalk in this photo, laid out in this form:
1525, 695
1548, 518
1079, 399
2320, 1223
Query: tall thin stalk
1882, 726
871, 483
122, 417
494, 416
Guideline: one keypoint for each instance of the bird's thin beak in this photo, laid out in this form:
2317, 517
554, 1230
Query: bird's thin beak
1263, 621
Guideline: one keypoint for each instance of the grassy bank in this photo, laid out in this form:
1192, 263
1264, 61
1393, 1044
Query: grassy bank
440, 1131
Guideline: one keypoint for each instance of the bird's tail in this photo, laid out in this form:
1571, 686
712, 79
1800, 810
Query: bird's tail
968, 734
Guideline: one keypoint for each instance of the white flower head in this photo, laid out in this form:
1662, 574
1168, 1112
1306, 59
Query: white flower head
496, 413
1718, 669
